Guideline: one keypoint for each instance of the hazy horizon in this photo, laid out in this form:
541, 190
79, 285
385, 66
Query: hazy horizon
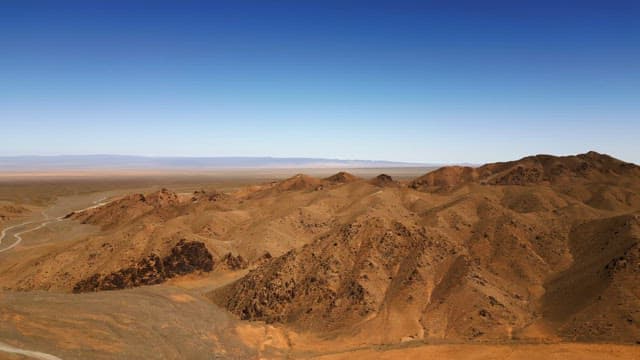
127, 162
504, 157
411, 81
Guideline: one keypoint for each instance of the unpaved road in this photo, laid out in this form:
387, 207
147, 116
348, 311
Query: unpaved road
32, 354
40, 224
17, 236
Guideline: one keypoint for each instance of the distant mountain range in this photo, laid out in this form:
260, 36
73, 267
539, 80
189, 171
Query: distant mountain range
90, 162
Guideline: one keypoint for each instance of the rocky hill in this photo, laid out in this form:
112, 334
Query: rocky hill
538, 249
544, 247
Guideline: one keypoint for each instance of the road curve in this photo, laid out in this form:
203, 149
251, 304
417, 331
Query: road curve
42, 223
28, 353
4, 233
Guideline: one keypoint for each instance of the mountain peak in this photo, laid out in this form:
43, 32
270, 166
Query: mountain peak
342, 177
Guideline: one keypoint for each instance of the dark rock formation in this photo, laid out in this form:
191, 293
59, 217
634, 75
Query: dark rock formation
265, 258
211, 196
231, 262
185, 258
383, 180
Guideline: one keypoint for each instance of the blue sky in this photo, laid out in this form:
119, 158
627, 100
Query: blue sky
459, 81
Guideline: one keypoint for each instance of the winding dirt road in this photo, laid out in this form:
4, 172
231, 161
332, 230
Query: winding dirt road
40, 224
17, 236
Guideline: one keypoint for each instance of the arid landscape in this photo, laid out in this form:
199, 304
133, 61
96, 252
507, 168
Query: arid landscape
405, 179
533, 258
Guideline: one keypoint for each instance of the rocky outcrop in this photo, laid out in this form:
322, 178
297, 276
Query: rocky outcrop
383, 180
231, 262
186, 257
212, 196
342, 177
162, 198
265, 258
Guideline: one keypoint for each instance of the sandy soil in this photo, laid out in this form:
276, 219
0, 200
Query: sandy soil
511, 352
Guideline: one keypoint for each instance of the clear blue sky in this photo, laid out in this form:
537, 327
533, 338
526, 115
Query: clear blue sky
441, 81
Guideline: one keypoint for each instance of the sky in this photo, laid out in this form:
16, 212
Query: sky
419, 81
